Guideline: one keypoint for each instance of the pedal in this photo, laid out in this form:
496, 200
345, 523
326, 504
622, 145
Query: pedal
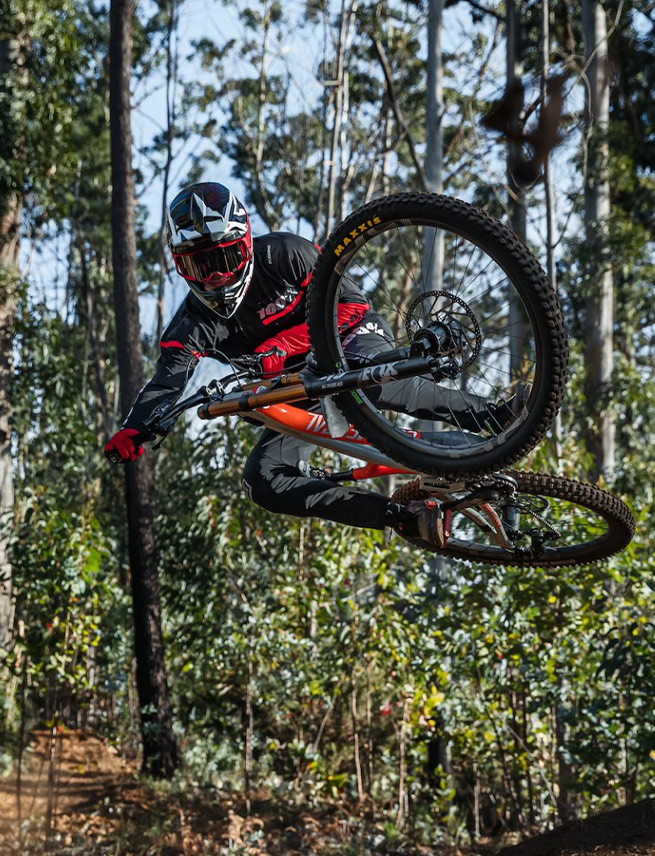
312, 472
437, 484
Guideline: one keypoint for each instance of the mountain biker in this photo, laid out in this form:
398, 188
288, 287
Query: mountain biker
247, 296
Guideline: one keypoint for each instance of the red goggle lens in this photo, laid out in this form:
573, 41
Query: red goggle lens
226, 260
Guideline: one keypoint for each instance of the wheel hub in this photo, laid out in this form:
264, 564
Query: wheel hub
441, 322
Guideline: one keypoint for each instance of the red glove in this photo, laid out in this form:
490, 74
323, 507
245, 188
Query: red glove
271, 360
295, 340
125, 445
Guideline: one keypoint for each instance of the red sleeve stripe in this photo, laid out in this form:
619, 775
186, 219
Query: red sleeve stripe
292, 305
175, 344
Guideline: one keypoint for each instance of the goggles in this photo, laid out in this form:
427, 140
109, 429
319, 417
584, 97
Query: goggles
221, 264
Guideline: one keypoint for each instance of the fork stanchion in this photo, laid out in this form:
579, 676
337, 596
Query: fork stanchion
252, 400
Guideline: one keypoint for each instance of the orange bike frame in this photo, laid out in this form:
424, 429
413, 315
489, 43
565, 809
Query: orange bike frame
313, 428
271, 408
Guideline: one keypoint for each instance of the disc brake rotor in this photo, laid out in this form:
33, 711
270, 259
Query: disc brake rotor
442, 307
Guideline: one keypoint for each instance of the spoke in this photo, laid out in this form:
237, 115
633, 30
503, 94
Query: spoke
394, 269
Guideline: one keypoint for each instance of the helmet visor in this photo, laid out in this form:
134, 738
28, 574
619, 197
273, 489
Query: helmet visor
222, 264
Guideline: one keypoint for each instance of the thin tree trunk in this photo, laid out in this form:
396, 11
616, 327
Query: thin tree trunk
159, 747
565, 800
171, 78
265, 208
387, 132
249, 735
10, 209
370, 749
348, 164
87, 310
394, 102
550, 198
516, 193
338, 83
434, 239
514, 72
8, 282
402, 767
599, 321
21, 737
476, 801
356, 741
51, 789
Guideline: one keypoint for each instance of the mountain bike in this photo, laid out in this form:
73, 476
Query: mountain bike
466, 377
511, 518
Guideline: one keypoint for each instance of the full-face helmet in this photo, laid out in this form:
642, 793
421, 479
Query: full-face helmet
210, 238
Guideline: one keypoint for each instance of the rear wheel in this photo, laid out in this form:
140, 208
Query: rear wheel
424, 262
554, 522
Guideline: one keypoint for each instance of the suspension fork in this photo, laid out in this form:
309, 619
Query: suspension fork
307, 384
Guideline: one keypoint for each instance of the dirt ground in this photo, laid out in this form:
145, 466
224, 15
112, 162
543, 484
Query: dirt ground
100, 806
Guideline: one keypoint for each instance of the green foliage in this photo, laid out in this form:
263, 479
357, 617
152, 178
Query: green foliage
70, 654
323, 663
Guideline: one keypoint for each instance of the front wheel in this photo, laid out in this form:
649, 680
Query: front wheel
552, 521
427, 263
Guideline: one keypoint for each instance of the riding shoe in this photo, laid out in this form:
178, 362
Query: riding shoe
495, 417
425, 520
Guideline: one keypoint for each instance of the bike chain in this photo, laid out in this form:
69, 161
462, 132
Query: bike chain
502, 482
553, 533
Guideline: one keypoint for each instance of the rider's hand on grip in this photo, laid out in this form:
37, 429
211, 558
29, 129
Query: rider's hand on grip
272, 359
124, 446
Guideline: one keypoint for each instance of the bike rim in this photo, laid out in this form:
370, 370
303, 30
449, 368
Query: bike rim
580, 524
411, 283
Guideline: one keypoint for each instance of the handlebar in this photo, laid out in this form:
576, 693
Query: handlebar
216, 400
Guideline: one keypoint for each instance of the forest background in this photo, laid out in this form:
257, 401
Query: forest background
316, 662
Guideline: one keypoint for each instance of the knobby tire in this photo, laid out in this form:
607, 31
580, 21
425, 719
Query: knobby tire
524, 274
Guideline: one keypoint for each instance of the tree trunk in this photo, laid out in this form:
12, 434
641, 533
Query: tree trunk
264, 205
159, 747
599, 321
356, 739
334, 174
171, 80
434, 244
10, 208
516, 193
514, 72
9, 222
566, 804
550, 199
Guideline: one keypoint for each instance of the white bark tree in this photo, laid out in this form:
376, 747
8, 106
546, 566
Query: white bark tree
599, 315
10, 210
434, 249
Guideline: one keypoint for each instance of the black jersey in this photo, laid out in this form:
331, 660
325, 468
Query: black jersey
274, 303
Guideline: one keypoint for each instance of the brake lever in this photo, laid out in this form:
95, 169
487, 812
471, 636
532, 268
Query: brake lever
251, 363
162, 434
161, 427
